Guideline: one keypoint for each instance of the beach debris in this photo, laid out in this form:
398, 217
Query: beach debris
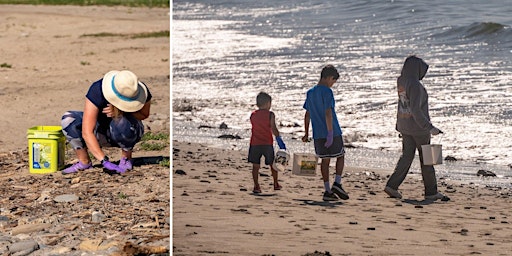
289, 124
450, 158
229, 136
183, 105
317, 253
223, 126
485, 173
180, 172
204, 127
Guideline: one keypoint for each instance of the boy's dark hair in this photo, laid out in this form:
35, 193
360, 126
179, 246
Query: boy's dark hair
262, 99
329, 70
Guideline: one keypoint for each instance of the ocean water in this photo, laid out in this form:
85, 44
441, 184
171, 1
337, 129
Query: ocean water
225, 52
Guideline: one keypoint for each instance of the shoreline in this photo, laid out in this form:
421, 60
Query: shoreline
462, 171
215, 212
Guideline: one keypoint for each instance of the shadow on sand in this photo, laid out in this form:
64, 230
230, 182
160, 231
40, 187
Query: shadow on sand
416, 202
320, 203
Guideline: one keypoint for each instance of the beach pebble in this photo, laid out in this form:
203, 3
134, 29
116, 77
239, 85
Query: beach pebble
180, 172
485, 173
23, 247
97, 217
66, 198
450, 158
29, 228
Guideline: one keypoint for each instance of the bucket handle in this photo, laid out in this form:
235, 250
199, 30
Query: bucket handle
440, 137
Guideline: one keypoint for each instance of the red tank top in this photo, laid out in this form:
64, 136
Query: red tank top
261, 131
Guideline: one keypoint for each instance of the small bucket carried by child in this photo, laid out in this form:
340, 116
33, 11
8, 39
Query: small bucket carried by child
281, 160
432, 153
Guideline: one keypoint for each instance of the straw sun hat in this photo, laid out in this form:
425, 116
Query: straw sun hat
123, 90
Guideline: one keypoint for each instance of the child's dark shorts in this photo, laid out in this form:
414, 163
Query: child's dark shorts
337, 148
257, 151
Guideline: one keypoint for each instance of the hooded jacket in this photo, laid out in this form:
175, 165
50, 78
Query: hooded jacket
412, 116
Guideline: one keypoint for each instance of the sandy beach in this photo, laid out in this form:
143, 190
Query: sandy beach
49, 57
215, 212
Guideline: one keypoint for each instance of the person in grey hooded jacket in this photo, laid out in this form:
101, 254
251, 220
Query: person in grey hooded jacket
413, 123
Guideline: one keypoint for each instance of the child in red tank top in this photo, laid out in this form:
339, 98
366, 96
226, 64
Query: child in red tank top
263, 126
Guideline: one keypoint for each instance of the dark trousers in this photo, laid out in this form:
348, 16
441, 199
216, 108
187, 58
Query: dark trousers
409, 145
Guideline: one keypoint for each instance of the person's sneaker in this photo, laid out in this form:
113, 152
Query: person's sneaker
330, 196
437, 197
125, 164
392, 193
338, 190
278, 187
79, 166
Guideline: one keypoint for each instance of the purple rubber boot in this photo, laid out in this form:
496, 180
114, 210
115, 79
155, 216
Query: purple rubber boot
79, 166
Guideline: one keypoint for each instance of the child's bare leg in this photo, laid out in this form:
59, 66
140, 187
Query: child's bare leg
340, 164
274, 175
324, 168
255, 175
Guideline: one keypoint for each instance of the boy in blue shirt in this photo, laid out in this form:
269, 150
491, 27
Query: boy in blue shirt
327, 135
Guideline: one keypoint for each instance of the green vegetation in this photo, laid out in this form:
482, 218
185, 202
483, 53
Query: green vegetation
122, 195
5, 65
165, 163
152, 141
155, 136
164, 33
152, 146
133, 3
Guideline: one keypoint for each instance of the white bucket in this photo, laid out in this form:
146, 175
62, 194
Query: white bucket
304, 164
432, 154
281, 160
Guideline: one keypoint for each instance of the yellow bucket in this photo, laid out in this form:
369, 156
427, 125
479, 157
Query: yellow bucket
46, 149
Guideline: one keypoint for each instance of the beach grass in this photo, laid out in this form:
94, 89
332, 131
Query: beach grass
134, 3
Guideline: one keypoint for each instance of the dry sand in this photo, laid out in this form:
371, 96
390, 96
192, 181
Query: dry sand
215, 212
46, 67
53, 65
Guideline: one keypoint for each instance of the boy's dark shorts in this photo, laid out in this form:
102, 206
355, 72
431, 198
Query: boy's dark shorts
337, 148
257, 151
